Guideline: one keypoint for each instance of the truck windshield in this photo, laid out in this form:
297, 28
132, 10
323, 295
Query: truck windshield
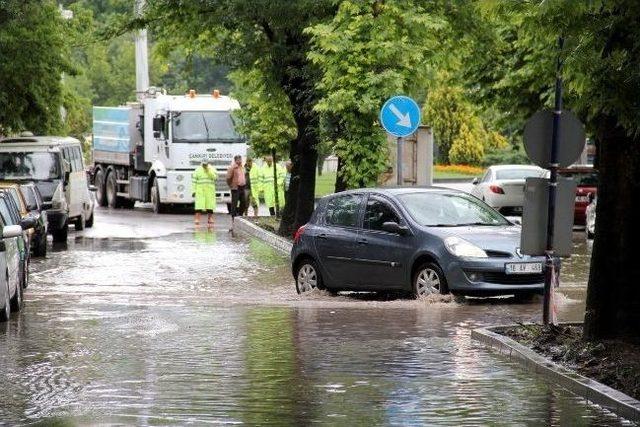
204, 126
36, 166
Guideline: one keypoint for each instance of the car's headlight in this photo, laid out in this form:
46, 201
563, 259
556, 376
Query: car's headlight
462, 248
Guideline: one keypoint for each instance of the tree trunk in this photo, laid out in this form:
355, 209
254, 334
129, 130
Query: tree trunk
613, 295
341, 184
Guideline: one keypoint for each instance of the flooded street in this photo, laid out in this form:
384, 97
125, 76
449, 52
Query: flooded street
142, 320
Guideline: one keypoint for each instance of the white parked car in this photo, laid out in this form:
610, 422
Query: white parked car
502, 187
590, 214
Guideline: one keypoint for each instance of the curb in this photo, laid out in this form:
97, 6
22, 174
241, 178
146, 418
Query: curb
593, 391
243, 226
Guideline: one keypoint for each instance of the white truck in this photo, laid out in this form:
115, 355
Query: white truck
146, 151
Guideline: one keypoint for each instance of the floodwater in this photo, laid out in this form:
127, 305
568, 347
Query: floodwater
144, 321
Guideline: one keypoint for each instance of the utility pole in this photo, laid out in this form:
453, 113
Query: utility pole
550, 267
142, 58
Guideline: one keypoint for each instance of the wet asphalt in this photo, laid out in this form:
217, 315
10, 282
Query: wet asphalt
143, 320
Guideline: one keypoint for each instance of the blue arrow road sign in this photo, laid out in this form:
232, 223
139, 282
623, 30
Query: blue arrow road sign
400, 116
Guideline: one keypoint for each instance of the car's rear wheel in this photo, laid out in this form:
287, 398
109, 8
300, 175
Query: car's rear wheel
308, 277
5, 309
429, 280
89, 222
79, 223
61, 234
41, 246
16, 301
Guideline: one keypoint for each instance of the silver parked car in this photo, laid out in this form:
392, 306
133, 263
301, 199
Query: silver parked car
10, 274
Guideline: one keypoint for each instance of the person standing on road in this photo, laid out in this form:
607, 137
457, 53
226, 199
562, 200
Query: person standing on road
203, 184
237, 184
266, 182
253, 186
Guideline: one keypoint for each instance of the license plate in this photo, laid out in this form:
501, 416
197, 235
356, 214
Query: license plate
582, 199
523, 268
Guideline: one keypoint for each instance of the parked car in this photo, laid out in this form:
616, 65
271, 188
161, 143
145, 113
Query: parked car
35, 205
20, 203
56, 166
422, 240
10, 216
590, 215
11, 290
587, 179
502, 187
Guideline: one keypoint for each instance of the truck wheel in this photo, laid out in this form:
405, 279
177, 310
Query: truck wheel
101, 197
155, 198
112, 190
61, 235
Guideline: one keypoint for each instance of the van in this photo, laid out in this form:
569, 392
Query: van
55, 165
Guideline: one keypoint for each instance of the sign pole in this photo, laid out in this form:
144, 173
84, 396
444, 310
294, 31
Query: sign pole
399, 162
549, 273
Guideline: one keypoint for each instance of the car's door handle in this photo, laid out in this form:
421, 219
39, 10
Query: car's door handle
322, 236
362, 241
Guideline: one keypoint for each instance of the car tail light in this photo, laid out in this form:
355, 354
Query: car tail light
298, 234
496, 189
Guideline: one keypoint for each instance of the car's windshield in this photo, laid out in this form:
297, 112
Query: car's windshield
583, 179
518, 173
204, 126
449, 210
37, 166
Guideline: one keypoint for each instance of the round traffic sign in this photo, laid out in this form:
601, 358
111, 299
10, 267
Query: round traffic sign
400, 116
537, 136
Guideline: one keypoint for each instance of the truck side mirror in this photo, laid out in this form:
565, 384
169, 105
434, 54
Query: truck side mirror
158, 126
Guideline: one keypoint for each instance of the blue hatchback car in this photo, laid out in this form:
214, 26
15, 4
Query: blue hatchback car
421, 240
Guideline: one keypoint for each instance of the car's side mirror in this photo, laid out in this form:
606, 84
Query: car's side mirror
475, 181
9, 231
395, 228
27, 223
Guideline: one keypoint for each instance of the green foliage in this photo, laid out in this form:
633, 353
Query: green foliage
368, 52
265, 117
32, 60
466, 149
447, 110
511, 155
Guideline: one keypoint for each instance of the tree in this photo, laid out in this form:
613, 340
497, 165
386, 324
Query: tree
267, 34
265, 117
368, 52
602, 84
32, 60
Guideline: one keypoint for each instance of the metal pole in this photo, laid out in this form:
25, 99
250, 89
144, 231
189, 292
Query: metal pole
275, 182
142, 59
553, 186
399, 163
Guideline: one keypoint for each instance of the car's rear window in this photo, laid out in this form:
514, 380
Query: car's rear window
518, 173
583, 179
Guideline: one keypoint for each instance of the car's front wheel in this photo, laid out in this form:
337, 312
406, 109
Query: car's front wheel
308, 276
428, 280
5, 309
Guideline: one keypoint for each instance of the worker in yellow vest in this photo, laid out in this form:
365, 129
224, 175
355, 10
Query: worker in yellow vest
253, 183
267, 184
203, 186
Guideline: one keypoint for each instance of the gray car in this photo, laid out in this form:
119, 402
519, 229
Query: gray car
421, 240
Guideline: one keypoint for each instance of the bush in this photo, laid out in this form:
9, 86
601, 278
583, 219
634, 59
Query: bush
513, 155
466, 149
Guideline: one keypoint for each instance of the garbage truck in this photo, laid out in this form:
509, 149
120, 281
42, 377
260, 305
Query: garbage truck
147, 150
